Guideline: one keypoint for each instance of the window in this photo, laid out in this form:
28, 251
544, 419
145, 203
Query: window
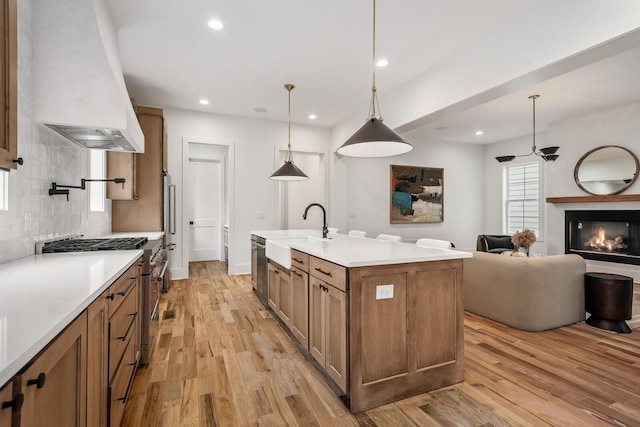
522, 198
4, 190
97, 190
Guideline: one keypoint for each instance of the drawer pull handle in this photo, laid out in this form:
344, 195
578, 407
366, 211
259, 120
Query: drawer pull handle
15, 404
126, 291
296, 273
327, 273
126, 394
297, 260
133, 321
38, 382
111, 297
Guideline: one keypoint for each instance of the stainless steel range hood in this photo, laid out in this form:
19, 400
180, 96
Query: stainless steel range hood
78, 87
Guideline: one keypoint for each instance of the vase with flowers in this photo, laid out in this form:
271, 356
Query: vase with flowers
524, 239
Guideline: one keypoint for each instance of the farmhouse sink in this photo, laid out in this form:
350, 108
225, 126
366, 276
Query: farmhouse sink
279, 250
279, 253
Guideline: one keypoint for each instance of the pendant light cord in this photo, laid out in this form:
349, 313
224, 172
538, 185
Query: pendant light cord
289, 87
374, 93
534, 97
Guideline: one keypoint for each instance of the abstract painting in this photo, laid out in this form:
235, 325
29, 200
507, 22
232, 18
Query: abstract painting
416, 194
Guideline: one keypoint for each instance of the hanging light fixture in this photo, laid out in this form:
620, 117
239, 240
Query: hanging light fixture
548, 154
374, 139
289, 171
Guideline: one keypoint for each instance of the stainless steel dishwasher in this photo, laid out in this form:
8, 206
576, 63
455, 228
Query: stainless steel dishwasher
259, 268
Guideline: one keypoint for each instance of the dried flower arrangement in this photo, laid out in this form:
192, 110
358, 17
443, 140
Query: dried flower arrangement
524, 239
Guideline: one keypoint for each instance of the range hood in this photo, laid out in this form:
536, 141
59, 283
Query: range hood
78, 87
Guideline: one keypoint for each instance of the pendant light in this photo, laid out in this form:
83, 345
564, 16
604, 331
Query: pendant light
374, 139
289, 171
548, 154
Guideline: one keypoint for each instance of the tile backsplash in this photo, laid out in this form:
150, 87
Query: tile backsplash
33, 215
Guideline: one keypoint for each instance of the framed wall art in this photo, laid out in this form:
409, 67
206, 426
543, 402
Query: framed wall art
417, 194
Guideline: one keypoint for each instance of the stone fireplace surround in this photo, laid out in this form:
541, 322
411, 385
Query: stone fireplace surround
604, 235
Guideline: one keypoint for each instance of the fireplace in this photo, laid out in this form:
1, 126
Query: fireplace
612, 236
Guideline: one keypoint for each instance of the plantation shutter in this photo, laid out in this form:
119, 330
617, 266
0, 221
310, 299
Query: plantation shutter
523, 198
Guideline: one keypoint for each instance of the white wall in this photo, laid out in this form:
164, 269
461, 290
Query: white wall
34, 215
362, 191
618, 126
254, 144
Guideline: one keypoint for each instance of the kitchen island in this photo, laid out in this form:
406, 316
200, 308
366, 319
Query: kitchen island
385, 319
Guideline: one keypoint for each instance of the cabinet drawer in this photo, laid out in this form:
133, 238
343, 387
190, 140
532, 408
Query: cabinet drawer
300, 260
122, 327
329, 272
121, 384
121, 288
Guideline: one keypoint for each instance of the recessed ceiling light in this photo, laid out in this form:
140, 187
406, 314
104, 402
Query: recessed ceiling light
479, 132
313, 116
260, 110
204, 101
215, 24
382, 62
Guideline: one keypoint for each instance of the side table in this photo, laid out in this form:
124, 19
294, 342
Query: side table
609, 299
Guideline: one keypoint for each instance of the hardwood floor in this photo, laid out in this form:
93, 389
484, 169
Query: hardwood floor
222, 360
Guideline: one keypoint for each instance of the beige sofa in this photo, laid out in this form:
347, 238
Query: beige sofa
532, 294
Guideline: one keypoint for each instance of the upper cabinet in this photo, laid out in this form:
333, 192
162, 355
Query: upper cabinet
9, 86
141, 206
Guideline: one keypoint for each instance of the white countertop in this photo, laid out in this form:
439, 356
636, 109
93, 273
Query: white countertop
285, 234
41, 294
362, 251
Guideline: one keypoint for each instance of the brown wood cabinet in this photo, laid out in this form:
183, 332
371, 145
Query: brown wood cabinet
54, 384
280, 296
9, 85
83, 377
122, 165
299, 324
410, 343
141, 207
97, 363
8, 404
328, 323
123, 311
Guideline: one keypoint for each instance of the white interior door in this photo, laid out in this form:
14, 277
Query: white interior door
205, 222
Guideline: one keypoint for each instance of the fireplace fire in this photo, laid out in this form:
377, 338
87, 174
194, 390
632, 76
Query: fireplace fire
612, 236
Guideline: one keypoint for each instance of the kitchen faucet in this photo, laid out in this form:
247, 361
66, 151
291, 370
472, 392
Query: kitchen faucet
325, 230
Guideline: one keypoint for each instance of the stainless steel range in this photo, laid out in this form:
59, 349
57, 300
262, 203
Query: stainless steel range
154, 270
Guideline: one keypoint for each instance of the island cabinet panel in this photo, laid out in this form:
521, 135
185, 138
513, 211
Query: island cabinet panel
435, 345
300, 306
410, 342
336, 358
328, 325
280, 294
385, 345
317, 322
54, 384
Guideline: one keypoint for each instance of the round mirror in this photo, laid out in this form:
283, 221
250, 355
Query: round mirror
605, 170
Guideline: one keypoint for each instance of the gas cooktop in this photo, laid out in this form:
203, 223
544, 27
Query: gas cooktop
83, 245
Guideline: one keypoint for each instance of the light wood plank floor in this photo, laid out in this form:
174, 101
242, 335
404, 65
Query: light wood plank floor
222, 360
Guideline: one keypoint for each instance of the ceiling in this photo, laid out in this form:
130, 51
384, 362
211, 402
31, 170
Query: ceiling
171, 58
